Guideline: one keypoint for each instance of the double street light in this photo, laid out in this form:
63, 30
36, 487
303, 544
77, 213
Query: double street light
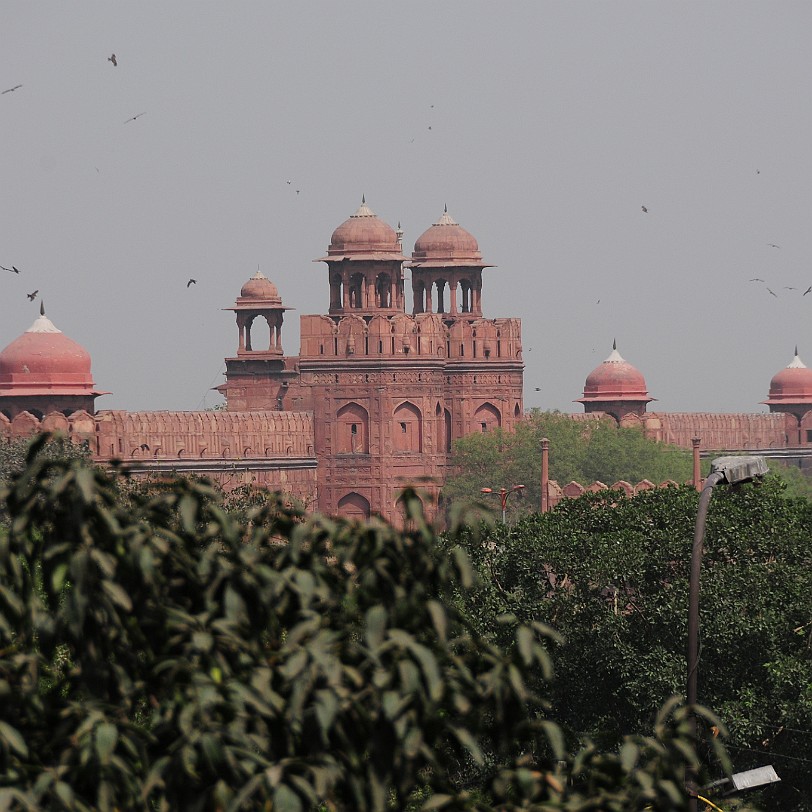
732, 470
503, 494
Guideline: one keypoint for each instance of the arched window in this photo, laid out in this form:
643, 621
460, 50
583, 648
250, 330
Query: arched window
383, 290
400, 507
408, 428
446, 444
336, 292
352, 430
354, 506
487, 417
357, 290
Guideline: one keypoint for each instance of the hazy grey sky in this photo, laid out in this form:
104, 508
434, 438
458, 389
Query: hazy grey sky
544, 127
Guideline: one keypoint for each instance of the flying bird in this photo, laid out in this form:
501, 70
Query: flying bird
191, 282
645, 210
538, 389
772, 292
138, 115
12, 269
787, 287
11, 90
773, 245
112, 58
32, 296
808, 290
756, 279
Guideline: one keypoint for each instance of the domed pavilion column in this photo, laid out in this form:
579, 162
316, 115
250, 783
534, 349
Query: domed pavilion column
615, 388
446, 255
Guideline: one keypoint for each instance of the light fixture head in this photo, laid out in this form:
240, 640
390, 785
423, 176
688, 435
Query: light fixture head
737, 469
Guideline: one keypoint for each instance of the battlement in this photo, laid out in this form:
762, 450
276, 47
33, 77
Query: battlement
425, 335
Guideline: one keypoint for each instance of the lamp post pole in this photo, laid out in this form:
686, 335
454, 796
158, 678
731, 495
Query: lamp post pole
732, 470
503, 494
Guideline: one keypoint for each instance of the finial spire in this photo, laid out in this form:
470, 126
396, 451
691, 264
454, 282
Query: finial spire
445, 207
363, 199
42, 313
614, 343
796, 349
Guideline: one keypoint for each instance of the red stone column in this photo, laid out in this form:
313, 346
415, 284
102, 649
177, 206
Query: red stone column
697, 478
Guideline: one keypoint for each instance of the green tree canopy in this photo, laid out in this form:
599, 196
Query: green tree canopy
584, 451
165, 654
611, 575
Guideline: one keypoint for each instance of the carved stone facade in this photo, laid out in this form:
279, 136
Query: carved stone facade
390, 391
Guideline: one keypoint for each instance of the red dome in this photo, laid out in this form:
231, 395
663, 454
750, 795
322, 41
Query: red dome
793, 384
364, 236
45, 361
260, 287
445, 244
615, 379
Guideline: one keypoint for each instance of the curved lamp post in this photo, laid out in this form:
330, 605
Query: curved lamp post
503, 494
731, 470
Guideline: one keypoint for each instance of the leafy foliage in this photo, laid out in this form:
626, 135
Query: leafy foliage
13, 453
611, 574
580, 451
163, 653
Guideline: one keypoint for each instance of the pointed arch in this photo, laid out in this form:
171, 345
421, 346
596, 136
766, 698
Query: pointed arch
354, 506
408, 428
352, 429
487, 418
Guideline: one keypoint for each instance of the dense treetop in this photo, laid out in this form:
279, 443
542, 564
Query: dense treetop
611, 574
162, 652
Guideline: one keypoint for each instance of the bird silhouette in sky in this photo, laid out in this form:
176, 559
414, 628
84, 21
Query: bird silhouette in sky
645, 210
11, 90
12, 269
138, 115
538, 389
773, 245
112, 58
772, 292
756, 279
787, 287
191, 282
808, 290
32, 296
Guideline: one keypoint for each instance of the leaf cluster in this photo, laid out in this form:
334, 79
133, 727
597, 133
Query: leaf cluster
163, 653
611, 574
583, 451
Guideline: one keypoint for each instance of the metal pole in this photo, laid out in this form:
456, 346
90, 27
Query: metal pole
693, 616
545, 474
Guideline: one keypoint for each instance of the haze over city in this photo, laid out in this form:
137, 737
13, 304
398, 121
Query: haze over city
628, 167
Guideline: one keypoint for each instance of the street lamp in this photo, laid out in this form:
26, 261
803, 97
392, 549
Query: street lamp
732, 470
503, 494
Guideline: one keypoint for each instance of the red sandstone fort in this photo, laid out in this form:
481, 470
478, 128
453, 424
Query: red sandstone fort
376, 395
